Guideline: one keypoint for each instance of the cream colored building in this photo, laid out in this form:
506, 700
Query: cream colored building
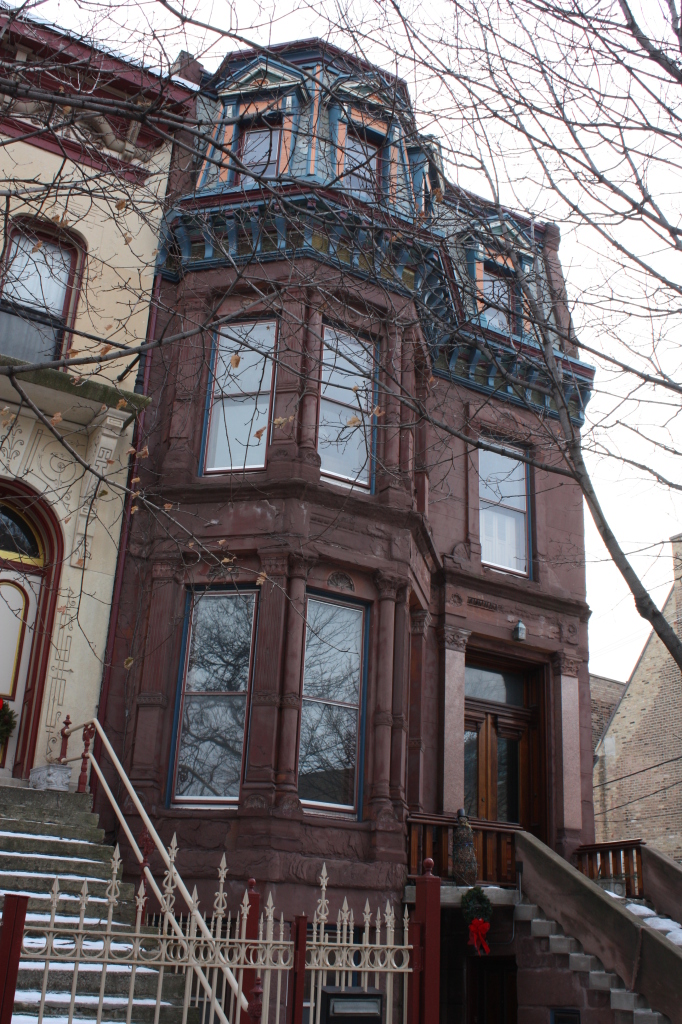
78, 260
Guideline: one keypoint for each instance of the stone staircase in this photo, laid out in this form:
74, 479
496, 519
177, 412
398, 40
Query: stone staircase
628, 1007
48, 834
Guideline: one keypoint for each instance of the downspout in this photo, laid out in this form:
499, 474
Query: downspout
123, 541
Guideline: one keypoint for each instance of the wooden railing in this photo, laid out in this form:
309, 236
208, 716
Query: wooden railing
617, 866
430, 835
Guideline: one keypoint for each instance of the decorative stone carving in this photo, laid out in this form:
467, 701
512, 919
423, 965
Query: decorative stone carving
453, 639
266, 697
481, 602
383, 718
51, 776
152, 699
341, 581
419, 623
566, 665
387, 586
290, 700
274, 564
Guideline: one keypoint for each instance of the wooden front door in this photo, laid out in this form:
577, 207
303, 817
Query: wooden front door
503, 758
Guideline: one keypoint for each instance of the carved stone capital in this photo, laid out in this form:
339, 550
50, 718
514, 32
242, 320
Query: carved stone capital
387, 586
419, 623
565, 664
300, 566
383, 718
453, 638
274, 564
162, 570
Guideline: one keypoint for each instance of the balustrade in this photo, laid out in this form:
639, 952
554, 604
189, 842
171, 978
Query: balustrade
431, 836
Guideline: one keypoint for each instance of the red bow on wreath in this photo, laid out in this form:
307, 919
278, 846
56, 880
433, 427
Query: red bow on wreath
478, 929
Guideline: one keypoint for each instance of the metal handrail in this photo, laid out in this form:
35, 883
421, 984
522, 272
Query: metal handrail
89, 729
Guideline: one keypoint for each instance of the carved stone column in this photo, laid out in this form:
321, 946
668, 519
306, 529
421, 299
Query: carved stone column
157, 677
453, 641
567, 727
401, 653
290, 704
383, 711
258, 789
419, 624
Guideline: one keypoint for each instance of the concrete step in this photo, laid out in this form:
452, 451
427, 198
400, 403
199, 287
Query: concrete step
526, 912
117, 982
34, 882
39, 906
54, 864
50, 830
584, 962
539, 927
115, 1008
564, 944
649, 1017
604, 981
621, 999
47, 805
44, 845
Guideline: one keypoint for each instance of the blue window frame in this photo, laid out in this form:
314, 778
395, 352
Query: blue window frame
331, 737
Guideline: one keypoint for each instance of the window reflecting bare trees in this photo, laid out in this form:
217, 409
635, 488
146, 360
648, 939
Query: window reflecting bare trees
331, 704
214, 705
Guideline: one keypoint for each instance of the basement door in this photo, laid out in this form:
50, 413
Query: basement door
491, 990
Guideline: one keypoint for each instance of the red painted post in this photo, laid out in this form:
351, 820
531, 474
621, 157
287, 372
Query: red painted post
295, 994
427, 914
415, 977
88, 733
64, 733
251, 933
11, 936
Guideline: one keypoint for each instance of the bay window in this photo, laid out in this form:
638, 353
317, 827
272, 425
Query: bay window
331, 706
239, 416
35, 293
503, 498
345, 430
215, 689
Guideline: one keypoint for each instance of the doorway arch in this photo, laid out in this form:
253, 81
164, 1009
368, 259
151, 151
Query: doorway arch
31, 552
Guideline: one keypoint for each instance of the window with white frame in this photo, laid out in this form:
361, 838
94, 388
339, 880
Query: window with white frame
503, 497
35, 290
498, 295
345, 431
239, 415
330, 713
361, 167
259, 151
214, 696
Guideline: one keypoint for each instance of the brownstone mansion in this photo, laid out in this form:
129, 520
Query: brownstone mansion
341, 618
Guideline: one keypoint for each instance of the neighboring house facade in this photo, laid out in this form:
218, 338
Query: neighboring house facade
638, 767
604, 696
333, 639
77, 266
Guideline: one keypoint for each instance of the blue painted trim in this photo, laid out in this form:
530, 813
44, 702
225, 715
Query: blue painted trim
367, 609
207, 406
178, 698
529, 531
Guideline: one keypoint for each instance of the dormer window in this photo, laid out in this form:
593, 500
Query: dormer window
499, 298
361, 167
259, 151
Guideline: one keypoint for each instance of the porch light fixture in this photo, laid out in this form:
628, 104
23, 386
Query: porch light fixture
519, 631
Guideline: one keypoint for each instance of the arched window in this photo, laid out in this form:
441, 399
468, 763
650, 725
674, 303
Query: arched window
30, 556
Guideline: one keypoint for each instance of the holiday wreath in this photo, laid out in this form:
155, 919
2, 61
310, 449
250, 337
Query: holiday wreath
477, 912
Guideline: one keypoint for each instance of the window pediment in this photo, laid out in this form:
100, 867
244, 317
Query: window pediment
264, 76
